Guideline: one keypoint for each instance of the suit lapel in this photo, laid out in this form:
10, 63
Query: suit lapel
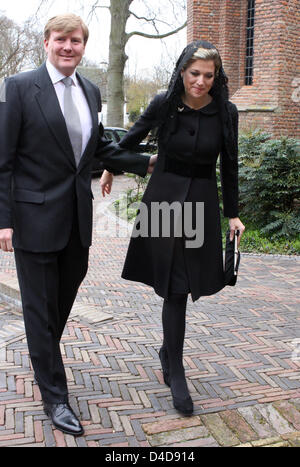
50, 108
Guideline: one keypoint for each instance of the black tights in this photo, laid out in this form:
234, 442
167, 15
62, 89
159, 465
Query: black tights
173, 319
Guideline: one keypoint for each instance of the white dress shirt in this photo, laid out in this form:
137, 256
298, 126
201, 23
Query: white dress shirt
78, 97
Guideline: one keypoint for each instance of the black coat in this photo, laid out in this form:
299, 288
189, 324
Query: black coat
39, 181
185, 172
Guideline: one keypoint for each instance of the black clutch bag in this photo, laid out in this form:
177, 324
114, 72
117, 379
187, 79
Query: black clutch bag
232, 259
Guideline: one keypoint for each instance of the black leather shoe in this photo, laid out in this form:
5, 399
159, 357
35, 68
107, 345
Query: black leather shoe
63, 418
163, 356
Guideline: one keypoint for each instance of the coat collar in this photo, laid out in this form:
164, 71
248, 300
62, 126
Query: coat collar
209, 109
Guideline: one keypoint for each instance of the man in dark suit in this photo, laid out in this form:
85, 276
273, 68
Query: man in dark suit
49, 137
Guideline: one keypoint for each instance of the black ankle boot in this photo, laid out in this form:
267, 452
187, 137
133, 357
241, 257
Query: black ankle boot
182, 400
163, 356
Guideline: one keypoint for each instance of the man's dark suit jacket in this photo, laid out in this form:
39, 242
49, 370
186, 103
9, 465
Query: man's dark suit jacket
40, 185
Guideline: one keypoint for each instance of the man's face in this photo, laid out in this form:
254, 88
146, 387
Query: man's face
65, 51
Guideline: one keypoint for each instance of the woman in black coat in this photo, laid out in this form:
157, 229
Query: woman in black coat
176, 244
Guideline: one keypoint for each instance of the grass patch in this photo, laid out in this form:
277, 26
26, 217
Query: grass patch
253, 241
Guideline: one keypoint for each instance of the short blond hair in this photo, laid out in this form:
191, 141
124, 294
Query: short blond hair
66, 23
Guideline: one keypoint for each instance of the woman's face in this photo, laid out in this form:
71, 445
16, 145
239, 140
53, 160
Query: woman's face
198, 78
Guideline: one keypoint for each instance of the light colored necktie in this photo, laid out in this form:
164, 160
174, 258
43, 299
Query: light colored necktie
72, 120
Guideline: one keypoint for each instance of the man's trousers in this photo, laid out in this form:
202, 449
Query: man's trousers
49, 283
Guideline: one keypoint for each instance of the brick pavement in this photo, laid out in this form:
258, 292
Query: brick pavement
242, 357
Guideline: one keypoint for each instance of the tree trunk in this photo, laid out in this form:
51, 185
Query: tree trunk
119, 10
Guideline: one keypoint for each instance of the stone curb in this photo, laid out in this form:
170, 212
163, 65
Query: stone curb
93, 314
231, 428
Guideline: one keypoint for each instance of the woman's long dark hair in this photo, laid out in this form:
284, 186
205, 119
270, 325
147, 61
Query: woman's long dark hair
219, 92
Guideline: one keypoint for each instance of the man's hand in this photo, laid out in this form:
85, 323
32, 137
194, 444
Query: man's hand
152, 162
6, 239
106, 181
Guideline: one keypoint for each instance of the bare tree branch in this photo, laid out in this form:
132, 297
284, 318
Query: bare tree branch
94, 7
148, 20
154, 36
41, 4
141, 17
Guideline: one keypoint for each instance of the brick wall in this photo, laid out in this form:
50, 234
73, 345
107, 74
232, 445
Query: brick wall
272, 102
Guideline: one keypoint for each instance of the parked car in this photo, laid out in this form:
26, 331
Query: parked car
115, 134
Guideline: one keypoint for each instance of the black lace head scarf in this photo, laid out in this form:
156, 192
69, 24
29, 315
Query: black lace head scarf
219, 92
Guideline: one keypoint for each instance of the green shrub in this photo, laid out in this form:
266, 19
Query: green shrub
269, 182
134, 115
125, 206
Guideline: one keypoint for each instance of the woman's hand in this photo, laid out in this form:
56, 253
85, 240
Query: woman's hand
106, 181
236, 224
152, 162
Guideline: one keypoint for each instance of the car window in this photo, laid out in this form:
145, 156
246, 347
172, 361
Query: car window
108, 134
121, 133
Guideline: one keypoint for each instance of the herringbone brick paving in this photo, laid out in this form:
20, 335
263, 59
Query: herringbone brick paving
242, 357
